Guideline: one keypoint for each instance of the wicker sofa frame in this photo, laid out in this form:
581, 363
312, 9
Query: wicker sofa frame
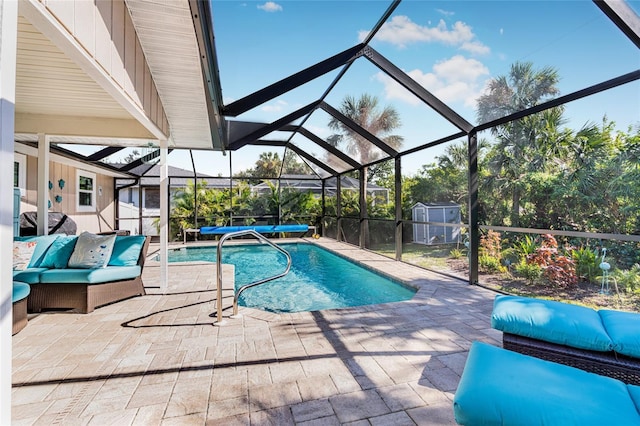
19, 316
611, 364
84, 298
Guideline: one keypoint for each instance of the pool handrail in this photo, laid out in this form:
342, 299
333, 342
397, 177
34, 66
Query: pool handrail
236, 295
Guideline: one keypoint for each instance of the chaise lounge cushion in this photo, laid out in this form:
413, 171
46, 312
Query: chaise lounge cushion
551, 321
634, 391
90, 276
507, 388
60, 251
624, 330
29, 276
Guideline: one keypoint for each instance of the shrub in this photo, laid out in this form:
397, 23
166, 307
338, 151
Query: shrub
490, 264
529, 271
628, 280
490, 245
587, 262
456, 254
509, 256
557, 268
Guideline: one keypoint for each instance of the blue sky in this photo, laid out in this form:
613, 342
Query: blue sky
452, 48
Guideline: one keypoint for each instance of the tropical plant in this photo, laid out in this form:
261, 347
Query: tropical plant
521, 144
628, 280
526, 246
213, 204
586, 261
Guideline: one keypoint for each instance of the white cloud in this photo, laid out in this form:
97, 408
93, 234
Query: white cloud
275, 107
445, 12
475, 48
270, 7
402, 31
457, 79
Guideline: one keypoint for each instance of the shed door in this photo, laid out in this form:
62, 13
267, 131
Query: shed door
419, 235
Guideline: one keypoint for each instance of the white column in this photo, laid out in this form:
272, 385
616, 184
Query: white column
164, 217
43, 184
8, 40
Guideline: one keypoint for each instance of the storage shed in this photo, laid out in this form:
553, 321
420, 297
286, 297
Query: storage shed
436, 232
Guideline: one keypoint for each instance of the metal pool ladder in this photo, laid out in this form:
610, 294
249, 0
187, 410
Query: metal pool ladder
237, 294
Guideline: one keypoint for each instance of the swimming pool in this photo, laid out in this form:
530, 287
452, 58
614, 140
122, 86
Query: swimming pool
318, 279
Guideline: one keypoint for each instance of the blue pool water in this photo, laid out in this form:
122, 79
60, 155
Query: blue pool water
318, 279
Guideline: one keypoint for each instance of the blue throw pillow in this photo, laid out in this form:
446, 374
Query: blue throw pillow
126, 250
551, 321
92, 251
60, 251
624, 330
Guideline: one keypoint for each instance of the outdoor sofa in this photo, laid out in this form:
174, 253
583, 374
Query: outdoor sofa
58, 283
502, 387
604, 342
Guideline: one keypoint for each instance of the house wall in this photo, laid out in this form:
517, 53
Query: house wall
105, 30
101, 220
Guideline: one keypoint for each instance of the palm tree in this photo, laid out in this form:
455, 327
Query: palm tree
366, 112
268, 165
522, 145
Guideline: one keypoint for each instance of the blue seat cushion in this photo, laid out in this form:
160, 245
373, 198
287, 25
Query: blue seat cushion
29, 275
90, 276
634, 391
59, 252
551, 321
501, 387
43, 244
624, 330
126, 250
20, 291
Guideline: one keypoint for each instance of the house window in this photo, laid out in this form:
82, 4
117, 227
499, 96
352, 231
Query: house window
151, 198
86, 188
20, 171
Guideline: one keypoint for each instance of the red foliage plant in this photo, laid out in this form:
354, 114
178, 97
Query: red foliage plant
559, 269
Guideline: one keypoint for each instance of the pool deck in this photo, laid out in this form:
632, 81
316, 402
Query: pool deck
159, 360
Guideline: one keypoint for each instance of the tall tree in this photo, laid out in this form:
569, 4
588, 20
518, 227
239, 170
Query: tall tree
522, 144
366, 112
380, 122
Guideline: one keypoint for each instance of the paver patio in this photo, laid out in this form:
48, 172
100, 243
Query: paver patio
159, 360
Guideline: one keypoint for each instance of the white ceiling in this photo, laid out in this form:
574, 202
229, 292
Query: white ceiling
168, 39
